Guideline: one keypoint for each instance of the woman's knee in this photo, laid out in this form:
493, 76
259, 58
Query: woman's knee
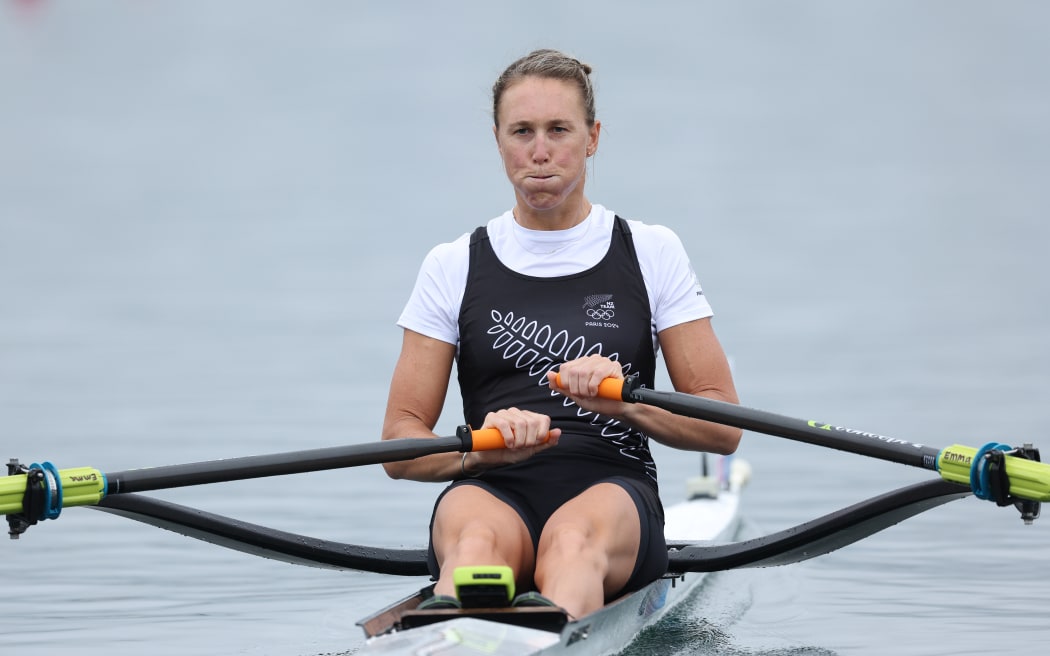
568, 539
597, 532
469, 523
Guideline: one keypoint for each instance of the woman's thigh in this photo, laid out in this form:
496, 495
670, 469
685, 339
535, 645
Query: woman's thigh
469, 517
605, 517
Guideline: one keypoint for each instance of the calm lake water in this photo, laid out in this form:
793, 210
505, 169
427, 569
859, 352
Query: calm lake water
212, 213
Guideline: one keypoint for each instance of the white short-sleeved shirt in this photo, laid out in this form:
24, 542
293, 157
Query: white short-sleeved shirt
675, 295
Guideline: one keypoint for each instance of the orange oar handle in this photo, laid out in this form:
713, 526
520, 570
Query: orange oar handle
610, 388
486, 439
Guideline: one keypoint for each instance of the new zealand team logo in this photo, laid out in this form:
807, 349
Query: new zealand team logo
600, 310
534, 348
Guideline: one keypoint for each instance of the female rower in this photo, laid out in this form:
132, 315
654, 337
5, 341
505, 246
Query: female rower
555, 286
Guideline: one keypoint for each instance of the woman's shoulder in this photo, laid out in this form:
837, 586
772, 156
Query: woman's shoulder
454, 255
652, 236
454, 248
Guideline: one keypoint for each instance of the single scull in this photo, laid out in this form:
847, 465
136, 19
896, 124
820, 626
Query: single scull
699, 531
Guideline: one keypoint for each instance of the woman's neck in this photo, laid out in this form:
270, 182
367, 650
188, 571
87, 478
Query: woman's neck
562, 217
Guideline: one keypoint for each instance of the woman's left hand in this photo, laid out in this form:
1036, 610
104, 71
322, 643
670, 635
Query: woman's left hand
579, 381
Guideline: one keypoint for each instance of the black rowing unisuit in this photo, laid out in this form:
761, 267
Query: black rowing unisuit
515, 328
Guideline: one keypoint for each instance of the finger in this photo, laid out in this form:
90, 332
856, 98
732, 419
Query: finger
583, 377
520, 429
499, 422
535, 428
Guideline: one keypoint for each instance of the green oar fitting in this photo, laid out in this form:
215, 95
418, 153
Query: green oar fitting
484, 586
40, 491
998, 473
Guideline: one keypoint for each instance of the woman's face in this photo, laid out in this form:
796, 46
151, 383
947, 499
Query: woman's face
544, 140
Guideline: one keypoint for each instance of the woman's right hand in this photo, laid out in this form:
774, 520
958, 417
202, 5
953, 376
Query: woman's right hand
525, 433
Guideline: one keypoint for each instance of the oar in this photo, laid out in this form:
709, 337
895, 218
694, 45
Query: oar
39, 492
996, 472
819, 536
264, 541
813, 538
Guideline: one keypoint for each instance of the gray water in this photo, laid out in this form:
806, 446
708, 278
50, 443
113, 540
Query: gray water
211, 214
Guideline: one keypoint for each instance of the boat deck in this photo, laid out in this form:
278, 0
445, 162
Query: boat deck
404, 615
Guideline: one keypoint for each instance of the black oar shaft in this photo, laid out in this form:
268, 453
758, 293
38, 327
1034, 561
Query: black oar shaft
298, 462
810, 432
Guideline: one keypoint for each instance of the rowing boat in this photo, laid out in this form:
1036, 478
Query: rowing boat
699, 531
710, 513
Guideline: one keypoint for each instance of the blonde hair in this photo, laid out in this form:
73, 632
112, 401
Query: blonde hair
551, 64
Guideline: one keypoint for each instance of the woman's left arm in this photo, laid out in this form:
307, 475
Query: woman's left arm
697, 365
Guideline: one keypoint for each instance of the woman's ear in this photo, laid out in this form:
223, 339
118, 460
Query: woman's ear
595, 133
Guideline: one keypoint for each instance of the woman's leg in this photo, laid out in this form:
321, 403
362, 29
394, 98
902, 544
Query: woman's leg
473, 527
589, 548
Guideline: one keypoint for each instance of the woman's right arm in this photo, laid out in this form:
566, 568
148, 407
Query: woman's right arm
417, 395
